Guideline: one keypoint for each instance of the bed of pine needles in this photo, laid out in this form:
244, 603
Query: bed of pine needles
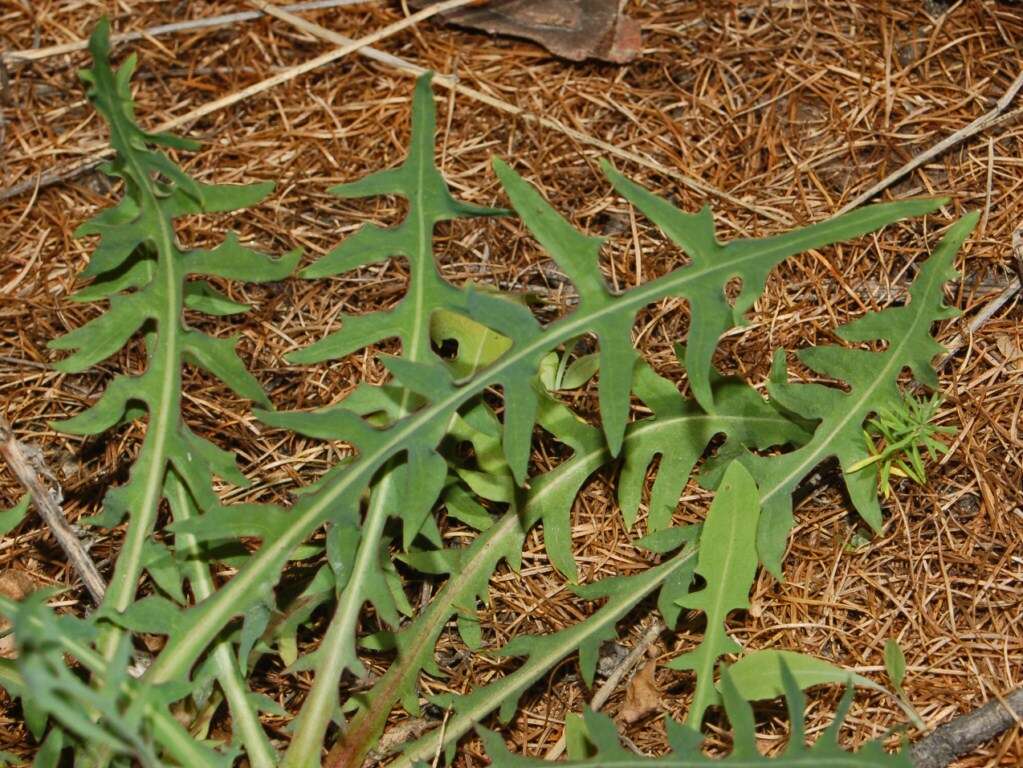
793, 108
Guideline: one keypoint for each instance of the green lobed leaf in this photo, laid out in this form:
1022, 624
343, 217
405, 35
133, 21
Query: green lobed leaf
727, 563
894, 662
141, 270
408, 486
872, 378
761, 674
713, 263
125, 717
430, 202
13, 517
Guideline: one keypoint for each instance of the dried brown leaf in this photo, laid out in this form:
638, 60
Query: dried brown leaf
642, 697
573, 29
1010, 350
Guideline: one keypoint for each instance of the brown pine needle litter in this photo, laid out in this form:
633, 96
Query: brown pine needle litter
791, 109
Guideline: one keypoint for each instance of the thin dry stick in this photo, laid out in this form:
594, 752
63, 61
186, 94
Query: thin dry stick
604, 692
982, 123
36, 54
449, 82
103, 152
27, 464
989, 309
979, 320
326, 58
65, 172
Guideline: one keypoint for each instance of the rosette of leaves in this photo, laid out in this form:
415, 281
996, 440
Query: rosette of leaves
515, 371
337, 498
149, 280
431, 397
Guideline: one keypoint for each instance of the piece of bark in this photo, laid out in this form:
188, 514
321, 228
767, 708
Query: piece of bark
573, 29
394, 739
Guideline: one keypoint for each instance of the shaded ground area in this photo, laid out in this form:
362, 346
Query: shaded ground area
792, 109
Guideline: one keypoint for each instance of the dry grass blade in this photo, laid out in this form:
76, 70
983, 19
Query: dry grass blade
101, 152
292, 72
992, 307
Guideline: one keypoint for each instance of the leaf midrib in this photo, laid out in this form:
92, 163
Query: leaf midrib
129, 562
316, 711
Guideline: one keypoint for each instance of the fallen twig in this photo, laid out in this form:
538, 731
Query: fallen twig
604, 692
965, 733
982, 123
26, 462
989, 309
985, 314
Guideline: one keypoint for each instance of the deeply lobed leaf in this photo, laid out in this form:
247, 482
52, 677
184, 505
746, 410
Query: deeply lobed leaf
872, 377
727, 562
139, 267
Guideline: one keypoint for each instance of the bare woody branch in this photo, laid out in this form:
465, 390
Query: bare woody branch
26, 462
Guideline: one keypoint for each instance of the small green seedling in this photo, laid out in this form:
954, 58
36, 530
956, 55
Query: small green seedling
897, 437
